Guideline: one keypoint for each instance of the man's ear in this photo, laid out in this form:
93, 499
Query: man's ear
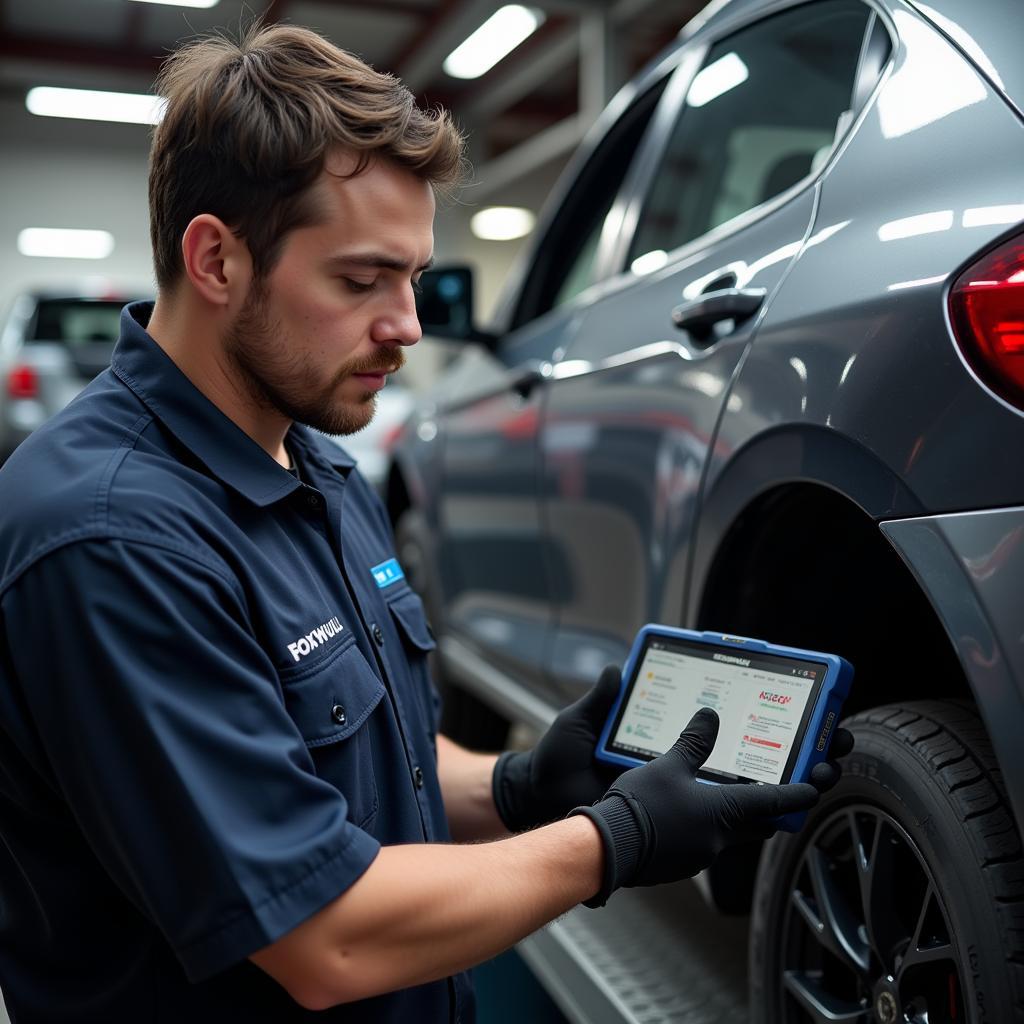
216, 261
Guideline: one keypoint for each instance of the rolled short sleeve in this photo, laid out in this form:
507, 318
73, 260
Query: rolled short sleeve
165, 727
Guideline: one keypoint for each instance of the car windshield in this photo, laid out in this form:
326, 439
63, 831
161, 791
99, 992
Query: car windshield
76, 321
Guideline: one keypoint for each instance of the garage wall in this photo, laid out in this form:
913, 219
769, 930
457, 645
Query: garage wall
71, 174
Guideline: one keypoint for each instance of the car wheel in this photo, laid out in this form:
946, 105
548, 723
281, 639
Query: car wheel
464, 717
901, 900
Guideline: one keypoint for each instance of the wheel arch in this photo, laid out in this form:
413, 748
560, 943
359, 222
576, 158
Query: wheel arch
789, 549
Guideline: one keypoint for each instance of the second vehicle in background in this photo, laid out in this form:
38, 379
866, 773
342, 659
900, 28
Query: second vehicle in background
52, 345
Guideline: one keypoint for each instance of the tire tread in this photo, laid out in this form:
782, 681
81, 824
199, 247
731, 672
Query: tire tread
951, 738
950, 743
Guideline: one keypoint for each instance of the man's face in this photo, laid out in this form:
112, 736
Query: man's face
315, 340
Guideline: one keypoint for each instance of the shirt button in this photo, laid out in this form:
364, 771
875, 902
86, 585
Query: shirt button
378, 634
338, 714
313, 500
417, 776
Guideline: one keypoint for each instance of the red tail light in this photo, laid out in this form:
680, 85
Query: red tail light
23, 382
987, 309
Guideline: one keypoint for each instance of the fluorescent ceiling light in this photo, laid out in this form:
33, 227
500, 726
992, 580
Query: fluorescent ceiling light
182, 3
502, 223
65, 243
711, 82
497, 37
90, 105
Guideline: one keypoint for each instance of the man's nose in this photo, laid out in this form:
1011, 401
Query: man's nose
400, 324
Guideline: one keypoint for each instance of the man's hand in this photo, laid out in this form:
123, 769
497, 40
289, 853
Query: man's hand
659, 824
544, 784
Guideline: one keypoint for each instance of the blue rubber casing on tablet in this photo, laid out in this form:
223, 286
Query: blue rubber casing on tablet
813, 745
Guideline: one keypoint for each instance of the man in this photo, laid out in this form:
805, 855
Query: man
222, 795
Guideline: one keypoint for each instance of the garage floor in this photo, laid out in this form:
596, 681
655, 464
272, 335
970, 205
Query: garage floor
507, 993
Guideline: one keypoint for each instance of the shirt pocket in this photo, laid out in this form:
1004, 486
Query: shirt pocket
418, 641
332, 704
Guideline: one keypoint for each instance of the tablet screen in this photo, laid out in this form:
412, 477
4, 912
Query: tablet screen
763, 703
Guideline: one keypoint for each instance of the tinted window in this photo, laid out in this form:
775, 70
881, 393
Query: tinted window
565, 263
76, 321
759, 116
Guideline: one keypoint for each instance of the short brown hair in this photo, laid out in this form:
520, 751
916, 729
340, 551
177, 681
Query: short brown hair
248, 126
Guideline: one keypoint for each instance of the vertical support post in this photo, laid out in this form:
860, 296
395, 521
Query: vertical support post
601, 61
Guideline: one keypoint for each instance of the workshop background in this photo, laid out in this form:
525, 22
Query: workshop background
524, 115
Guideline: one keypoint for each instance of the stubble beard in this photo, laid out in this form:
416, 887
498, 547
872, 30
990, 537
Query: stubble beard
287, 383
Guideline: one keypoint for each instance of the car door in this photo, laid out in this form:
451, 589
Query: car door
499, 581
634, 400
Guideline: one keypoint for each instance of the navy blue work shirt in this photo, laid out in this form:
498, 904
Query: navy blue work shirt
215, 707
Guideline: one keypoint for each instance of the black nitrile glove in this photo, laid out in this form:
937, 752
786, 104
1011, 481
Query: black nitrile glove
541, 785
659, 824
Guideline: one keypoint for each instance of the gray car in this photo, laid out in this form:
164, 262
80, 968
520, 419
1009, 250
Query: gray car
52, 344
761, 371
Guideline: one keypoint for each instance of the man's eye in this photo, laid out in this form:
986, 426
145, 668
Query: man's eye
358, 287
417, 288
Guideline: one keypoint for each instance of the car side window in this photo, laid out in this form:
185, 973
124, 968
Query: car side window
761, 114
566, 260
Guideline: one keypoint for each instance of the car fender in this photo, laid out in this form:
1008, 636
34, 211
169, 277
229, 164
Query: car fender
970, 565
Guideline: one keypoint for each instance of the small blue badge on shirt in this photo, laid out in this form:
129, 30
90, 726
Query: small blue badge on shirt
387, 573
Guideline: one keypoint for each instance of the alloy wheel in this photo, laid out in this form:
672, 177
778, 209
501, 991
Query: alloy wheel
866, 935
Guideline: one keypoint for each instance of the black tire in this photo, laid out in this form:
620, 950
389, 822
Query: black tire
917, 841
464, 717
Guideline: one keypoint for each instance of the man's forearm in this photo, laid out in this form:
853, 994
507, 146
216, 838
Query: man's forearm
425, 912
465, 779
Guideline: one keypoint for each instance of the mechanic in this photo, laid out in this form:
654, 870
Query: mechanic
222, 795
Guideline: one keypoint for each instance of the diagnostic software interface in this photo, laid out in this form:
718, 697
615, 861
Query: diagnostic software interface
761, 700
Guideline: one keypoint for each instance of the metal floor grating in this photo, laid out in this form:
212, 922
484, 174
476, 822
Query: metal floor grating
651, 956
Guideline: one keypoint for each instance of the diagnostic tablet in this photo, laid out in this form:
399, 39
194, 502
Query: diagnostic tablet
777, 706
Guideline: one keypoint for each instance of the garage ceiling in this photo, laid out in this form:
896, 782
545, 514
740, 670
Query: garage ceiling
544, 84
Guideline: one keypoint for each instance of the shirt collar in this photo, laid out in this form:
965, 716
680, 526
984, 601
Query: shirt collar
222, 446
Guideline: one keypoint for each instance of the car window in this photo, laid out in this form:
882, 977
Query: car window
580, 274
760, 115
566, 260
76, 321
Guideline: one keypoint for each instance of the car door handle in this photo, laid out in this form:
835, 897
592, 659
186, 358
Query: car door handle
523, 379
702, 313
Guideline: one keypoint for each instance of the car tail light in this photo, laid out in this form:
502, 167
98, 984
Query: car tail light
987, 309
23, 382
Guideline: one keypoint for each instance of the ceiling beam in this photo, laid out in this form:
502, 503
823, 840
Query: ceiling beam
54, 51
412, 10
503, 171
